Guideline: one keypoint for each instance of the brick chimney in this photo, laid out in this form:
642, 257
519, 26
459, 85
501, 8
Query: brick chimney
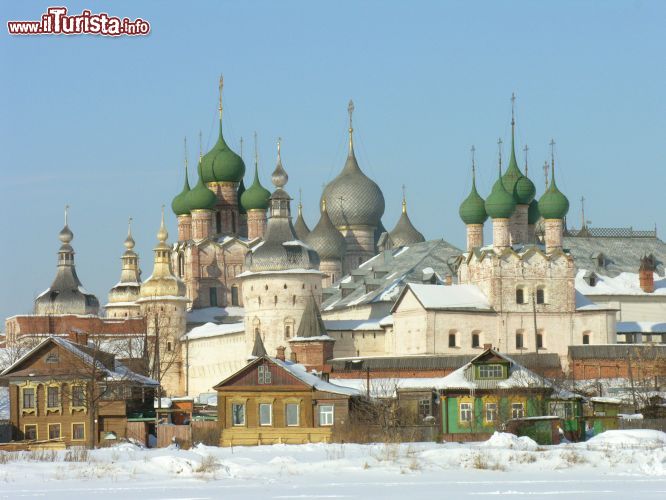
646, 274
313, 354
448, 280
78, 337
280, 353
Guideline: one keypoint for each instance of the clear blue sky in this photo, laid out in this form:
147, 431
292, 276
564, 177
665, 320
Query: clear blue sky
98, 123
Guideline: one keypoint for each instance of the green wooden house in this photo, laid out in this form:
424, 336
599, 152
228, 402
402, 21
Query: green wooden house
494, 393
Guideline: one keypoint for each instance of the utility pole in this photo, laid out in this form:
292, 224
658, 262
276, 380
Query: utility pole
534, 317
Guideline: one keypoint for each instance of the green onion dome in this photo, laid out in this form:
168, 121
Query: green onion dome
256, 197
241, 190
553, 204
179, 204
524, 191
500, 204
221, 164
520, 186
533, 214
200, 197
473, 209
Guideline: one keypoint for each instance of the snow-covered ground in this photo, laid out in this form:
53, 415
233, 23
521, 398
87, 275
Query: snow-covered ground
616, 464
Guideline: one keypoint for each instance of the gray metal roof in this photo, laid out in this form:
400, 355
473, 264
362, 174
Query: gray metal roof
398, 363
382, 278
618, 351
326, 240
611, 251
404, 233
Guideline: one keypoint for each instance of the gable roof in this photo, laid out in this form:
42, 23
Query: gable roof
104, 362
382, 278
451, 297
297, 371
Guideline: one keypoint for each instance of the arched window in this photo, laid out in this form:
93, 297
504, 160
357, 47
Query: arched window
212, 293
293, 300
539, 340
519, 340
284, 286
234, 295
275, 299
169, 346
181, 265
586, 338
452, 338
287, 331
218, 222
520, 295
476, 340
540, 295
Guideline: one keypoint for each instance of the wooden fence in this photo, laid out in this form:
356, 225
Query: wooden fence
206, 432
657, 424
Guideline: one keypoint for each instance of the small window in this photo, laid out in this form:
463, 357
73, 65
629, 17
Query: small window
491, 412
264, 373
30, 433
520, 296
593, 280
53, 397
326, 415
292, 414
78, 396
490, 371
275, 299
169, 346
540, 296
212, 295
54, 431
586, 338
519, 340
52, 358
452, 339
78, 432
465, 412
234, 296
517, 410
284, 286
475, 340
425, 408
265, 414
539, 340
293, 300
29, 398
287, 331
237, 414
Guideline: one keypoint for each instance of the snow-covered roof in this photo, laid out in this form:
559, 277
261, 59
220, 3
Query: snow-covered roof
624, 283
352, 324
214, 314
585, 304
640, 327
299, 371
213, 330
451, 297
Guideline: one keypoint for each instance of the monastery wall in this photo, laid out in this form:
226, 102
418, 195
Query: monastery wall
213, 359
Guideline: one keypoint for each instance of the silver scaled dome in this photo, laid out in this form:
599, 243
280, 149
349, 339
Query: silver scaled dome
325, 239
281, 250
404, 233
354, 199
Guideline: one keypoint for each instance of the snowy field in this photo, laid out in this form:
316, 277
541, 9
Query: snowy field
616, 464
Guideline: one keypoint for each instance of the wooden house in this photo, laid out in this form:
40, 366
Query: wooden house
74, 393
276, 401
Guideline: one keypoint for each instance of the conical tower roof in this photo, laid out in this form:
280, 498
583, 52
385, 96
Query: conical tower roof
300, 226
514, 181
311, 324
404, 233
258, 349
500, 204
325, 238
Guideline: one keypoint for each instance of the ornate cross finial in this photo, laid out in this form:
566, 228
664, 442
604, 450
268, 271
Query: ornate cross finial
473, 151
552, 159
300, 199
256, 151
404, 200
66, 213
350, 110
526, 149
546, 169
241, 147
200, 145
499, 151
582, 212
279, 141
129, 226
220, 88
513, 106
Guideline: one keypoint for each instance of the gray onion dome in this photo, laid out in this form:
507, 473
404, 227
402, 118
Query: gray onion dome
404, 233
325, 239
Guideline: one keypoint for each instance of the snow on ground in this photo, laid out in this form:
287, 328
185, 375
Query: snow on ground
616, 464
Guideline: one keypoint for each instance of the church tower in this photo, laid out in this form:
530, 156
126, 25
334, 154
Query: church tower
162, 301
330, 245
222, 172
355, 205
123, 296
553, 206
500, 206
473, 213
281, 273
255, 201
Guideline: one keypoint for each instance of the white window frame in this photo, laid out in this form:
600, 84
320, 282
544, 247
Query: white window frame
298, 416
264, 375
491, 409
517, 410
465, 412
233, 415
326, 415
491, 371
270, 415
